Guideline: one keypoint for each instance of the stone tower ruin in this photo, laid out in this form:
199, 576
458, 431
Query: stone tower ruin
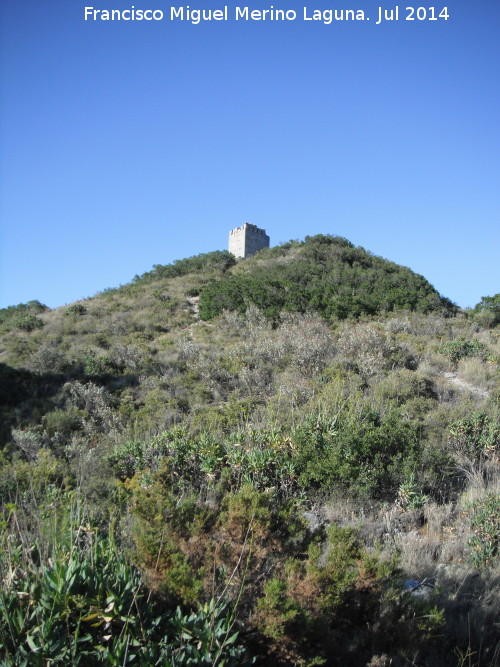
247, 239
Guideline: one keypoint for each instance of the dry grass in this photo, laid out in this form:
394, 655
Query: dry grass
478, 373
481, 483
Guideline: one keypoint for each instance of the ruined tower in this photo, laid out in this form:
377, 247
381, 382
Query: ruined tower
247, 239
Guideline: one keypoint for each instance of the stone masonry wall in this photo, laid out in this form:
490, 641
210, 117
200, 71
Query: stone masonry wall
247, 240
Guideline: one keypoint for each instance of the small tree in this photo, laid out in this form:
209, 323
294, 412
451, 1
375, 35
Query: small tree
27, 322
489, 309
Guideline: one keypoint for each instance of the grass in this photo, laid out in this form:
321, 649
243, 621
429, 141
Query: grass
176, 458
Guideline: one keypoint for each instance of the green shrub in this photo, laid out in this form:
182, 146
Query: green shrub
63, 422
484, 521
205, 636
12, 312
488, 310
277, 614
475, 439
219, 260
462, 347
404, 385
327, 274
366, 454
161, 295
27, 322
89, 607
334, 573
95, 364
410, 496
76, 309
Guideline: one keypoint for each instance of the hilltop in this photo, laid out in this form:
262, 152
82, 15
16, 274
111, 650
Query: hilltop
324, 275
232, 461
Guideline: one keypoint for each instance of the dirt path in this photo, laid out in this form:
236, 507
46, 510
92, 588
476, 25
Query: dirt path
194, 302
467, 386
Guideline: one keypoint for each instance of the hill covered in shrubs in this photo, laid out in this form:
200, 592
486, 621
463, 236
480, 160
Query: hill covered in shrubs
291, 459
324, 274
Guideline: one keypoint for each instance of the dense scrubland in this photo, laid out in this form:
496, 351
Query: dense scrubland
287, 460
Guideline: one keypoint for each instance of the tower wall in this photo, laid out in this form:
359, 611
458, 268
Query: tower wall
247, 240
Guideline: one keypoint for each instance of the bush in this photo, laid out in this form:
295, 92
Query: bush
461, 347
47, 359
488, 310
95, 364
27, 322
326, 274
484, 521
31, 307
89, 607
277, 614
404, 385
474, 441
219, 260
205, 637
77, 309
64, 422
367, 349
366, 454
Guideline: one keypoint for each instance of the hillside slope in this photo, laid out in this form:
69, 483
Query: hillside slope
261, 484
324, 274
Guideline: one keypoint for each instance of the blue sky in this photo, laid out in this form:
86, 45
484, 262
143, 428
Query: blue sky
128, 144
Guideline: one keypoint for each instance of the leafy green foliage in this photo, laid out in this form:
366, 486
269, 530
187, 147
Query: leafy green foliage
29, 308
410, 497
219, 260
86, 604
489, 308
76, 309
92, 610
476, 438
248, 486
27, 322
277, 613
266, 461
205, 637
23, 317
484, 519
327, 274
365, 454
461, 347
97, 364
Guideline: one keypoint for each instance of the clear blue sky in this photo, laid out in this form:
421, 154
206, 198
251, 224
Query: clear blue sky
129, 144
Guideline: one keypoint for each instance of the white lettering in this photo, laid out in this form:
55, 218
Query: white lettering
270, 14
131, 14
